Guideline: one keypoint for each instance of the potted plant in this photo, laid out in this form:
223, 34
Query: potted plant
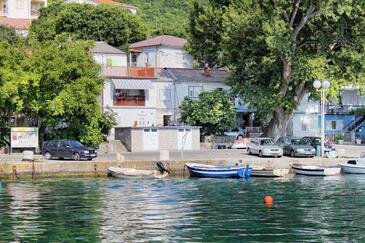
340, 138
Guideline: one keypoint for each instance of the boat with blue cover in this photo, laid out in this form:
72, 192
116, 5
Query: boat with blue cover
218, 171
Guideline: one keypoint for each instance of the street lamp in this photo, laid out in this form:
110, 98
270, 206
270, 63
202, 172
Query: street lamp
323, 86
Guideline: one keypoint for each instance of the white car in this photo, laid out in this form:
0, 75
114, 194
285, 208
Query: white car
240, 143
264, 147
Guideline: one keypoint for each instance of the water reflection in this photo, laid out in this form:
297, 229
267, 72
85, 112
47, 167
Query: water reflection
196, 210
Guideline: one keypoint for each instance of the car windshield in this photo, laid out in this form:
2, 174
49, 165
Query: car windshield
297, 141
76, 144
267, 142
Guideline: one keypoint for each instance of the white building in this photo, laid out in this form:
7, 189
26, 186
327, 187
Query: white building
19, 13
160, 52
149, 96
131, 8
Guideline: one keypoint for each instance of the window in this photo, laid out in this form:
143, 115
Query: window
19, 4
193, 91
165, 94
304, 126
109, 62
334, 125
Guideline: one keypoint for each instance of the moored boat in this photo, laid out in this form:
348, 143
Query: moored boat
354, 166
125, 173
218, 171
314, 170
269, 172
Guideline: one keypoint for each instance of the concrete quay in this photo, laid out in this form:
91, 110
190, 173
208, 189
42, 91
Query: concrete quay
146, 160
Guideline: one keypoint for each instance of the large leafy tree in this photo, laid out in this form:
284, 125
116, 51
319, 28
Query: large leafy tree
112, 24
56, 85
213, 110
205, 31
9, 35
277, 48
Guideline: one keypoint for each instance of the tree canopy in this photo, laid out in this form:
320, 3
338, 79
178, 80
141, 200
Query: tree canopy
276, 50
9, 34
104, 22
54, 85
213, 110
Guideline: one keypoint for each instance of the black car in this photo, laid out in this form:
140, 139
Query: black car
314, 141
67, 149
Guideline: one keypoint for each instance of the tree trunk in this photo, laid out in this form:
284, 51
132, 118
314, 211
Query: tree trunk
278, 124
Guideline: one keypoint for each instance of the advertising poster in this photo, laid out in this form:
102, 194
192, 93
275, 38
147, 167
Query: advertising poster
24, 137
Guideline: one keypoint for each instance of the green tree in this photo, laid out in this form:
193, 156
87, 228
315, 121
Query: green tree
213, 110
163, 17
9, 34
56, 84
112, 24
276, 50
205, 31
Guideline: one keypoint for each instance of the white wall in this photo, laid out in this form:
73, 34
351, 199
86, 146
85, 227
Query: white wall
126, 116
118, 60
164, 56
20, 9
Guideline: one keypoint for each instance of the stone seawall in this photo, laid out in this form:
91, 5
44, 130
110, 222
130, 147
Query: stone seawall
63, 168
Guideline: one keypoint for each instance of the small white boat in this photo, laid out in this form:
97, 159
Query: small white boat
269, 172
355, 166
314, 170
125, 173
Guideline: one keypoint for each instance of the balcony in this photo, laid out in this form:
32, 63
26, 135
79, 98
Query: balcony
341, 109
136, 72
119, 100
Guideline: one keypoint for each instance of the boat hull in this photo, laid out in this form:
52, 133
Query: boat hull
352, 169
315, 170
269, 172
127, 173
210, 171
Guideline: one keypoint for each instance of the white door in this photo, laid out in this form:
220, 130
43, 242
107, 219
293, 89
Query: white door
184, 138
150, 139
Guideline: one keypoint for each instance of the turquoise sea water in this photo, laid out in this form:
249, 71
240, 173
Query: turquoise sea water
307, 209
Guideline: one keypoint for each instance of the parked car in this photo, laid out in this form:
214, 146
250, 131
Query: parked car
236, 132
240, 143
67, 149
264, 147
296, 147
314, 141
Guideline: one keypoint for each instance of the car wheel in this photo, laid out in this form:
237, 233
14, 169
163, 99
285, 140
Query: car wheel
249, 152
260, 153
292, 154
48, 155
76, 156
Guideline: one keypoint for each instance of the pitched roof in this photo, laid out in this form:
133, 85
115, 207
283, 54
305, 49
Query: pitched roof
193, 75
167, 40
19, 24
104, 48
116, 3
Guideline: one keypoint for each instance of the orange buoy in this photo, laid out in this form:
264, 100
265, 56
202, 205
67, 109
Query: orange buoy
268, 200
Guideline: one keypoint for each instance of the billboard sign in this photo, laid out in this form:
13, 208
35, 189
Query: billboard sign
24, 137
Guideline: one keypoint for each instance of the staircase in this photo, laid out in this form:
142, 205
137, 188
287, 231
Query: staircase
355, 125
112, 146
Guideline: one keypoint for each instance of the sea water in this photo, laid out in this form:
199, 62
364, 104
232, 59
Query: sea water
315, 209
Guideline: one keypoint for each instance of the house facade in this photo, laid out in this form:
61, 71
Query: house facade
130, 8
160, 52
20, 13
340, 117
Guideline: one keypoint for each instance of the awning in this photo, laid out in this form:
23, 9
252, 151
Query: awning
132, 83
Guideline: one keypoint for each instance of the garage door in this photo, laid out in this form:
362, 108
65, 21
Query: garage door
184, 138
150, 139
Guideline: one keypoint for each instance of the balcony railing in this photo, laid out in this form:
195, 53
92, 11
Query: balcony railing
129, 100
341, 109
117, 71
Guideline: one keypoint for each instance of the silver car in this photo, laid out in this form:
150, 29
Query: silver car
296, 147
264, 147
